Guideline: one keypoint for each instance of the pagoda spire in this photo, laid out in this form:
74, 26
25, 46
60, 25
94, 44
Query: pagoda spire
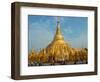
58, 26
58, 35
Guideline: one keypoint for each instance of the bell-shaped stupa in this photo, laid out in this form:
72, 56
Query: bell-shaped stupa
58, 48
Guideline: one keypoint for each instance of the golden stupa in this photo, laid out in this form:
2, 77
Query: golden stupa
58, 48
59, 51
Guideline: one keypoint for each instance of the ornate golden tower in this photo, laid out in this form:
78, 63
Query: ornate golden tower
58, 36
58, 48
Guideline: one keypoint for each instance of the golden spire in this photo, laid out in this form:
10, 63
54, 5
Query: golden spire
58, 35
58, 26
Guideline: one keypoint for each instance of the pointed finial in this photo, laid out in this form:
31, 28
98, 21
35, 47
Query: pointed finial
58, 24
58, 19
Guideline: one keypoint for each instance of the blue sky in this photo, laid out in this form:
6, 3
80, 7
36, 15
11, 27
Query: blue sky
41, 31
